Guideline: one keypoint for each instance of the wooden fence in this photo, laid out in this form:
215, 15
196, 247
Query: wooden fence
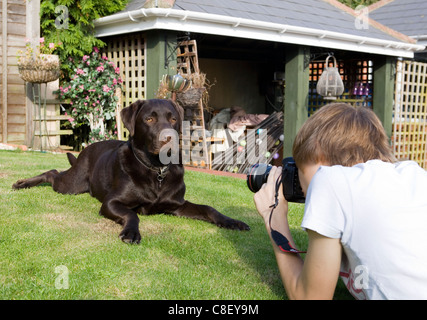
410, 112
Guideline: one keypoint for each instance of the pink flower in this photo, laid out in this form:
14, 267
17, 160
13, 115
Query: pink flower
100, 69
117, 70
96, 49
80, 71
51, 45
114, 81
41, 40
85, 57
105, 88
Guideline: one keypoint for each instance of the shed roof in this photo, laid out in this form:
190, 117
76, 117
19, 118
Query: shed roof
324, 23
406, 16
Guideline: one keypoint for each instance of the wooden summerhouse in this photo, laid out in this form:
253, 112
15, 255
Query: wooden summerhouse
261, 57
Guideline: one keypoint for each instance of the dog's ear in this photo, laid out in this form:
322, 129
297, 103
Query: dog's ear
128, 115
178, 108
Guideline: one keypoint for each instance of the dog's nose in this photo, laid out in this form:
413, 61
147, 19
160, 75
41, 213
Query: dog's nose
167, 135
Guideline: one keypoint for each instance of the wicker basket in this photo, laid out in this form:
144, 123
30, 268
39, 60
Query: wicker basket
42, 70
191, 97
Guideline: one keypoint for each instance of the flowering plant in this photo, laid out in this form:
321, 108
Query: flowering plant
92, 93
34, 56
47, 49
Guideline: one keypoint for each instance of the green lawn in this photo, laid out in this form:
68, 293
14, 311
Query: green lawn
47, 238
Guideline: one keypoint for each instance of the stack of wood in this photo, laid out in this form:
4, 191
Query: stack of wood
264, 147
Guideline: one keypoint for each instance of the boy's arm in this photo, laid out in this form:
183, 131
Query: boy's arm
314, 278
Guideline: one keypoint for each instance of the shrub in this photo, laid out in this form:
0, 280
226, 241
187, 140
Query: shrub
91, 91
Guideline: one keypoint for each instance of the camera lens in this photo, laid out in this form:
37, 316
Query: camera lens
257, 176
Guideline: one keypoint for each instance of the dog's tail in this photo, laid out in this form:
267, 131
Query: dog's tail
71, 158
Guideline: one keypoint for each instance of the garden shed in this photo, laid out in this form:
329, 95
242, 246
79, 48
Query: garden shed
262, 57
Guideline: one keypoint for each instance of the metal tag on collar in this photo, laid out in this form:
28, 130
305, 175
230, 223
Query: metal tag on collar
161, 175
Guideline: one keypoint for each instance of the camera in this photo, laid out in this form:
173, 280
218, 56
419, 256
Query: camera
258, 175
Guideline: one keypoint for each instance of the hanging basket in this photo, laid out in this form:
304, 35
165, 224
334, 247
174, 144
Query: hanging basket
330, 84
191, 97
42, 69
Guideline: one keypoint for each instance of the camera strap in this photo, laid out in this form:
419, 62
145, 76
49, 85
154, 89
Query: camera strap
281, 241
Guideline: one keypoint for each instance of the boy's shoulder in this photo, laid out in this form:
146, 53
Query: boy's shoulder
380, 172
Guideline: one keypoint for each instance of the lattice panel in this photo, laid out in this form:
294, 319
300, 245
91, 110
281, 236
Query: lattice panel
357, 76
128, 54
410, 112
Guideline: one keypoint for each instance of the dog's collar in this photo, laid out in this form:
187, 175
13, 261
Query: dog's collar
161, 172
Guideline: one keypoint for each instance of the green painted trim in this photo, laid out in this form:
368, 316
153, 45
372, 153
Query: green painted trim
296, 94
160, 46
384, 77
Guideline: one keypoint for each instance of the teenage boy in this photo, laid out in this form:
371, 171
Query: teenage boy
365, 213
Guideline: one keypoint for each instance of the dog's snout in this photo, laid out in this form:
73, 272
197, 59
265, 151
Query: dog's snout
167, 135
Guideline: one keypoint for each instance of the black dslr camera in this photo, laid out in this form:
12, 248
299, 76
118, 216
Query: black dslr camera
292, 191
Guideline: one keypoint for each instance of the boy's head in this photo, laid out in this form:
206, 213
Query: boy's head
340, 134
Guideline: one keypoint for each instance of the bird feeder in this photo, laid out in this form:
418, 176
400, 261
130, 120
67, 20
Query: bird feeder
330, 84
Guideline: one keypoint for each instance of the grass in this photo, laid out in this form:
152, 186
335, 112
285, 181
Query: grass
178, 258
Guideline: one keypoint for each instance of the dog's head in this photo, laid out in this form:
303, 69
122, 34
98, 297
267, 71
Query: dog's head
153, 123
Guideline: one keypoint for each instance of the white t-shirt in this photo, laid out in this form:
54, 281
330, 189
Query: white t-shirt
379, 211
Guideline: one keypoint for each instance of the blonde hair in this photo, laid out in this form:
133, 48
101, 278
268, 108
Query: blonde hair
340, 134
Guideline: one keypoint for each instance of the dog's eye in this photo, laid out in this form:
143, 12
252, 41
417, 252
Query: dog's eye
149, 119
173, 120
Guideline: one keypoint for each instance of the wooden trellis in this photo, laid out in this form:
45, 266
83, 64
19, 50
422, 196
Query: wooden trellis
128, 54
410, 112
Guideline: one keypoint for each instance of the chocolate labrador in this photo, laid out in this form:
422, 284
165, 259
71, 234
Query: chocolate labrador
130, 177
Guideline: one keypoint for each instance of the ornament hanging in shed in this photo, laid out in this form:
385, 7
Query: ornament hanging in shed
330, 84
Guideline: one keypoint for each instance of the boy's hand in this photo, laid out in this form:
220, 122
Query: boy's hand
265, 197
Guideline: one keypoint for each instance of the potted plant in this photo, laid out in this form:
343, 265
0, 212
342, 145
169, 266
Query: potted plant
39, 65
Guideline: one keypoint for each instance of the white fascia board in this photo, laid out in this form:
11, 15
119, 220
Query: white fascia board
190, 21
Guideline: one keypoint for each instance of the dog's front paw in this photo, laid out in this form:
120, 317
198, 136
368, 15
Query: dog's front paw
233, 224
130, 235
20, 184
